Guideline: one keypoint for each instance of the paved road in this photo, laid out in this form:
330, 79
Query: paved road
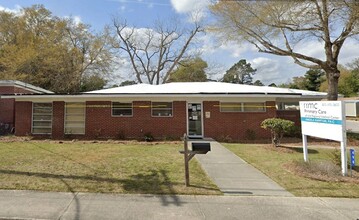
51, 205
352, 126
233, 175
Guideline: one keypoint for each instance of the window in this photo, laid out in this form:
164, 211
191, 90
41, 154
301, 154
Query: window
121, 108
242, 107
75, 118
41, 118
231, 107
254, 107
288, 106
162, 109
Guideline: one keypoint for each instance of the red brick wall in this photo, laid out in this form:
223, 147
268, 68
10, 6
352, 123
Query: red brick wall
235, 125
100, 123
290, 115
58, 114
6, 90
10, 90
22, 91
7, 111
7, 106
23, 116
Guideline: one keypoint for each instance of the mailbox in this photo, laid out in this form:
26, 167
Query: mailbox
201, 147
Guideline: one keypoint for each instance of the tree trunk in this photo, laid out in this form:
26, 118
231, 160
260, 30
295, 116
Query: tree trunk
333, 78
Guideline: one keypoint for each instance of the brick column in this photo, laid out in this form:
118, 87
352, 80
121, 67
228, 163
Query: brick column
23, 119
58, 114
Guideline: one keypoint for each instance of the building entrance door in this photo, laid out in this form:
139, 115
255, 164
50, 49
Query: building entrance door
195, 125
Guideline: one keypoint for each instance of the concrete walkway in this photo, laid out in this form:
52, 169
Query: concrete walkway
236, 177
74, 206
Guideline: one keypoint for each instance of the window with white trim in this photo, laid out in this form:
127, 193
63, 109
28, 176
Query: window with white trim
41, 118
122, 109
75, 118
288, 106
161, 109
242, 107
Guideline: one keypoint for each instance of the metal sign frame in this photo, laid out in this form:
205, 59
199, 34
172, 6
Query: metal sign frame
324, 119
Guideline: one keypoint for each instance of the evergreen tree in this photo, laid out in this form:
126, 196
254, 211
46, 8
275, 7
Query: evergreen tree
190, 70
313, 79
258, 83
240, 73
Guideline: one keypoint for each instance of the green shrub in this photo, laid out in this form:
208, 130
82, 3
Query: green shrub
294, 131
278, 128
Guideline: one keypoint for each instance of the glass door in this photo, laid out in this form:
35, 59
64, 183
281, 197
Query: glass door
195, 120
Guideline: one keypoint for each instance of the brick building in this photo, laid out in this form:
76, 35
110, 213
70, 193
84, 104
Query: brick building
7, 106
210, 109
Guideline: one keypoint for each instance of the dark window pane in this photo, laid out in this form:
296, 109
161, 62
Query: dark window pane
162, 109
122, 109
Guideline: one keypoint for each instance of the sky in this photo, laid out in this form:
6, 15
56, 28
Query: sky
221, 56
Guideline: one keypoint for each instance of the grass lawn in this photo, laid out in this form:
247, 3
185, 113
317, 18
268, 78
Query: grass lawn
274, 164
99, 167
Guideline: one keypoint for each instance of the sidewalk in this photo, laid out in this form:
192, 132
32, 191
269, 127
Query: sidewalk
89, 206
234, 176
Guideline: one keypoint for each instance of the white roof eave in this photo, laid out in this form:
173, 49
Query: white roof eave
86, 96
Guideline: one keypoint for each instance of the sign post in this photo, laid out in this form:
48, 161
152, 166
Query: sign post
324, 119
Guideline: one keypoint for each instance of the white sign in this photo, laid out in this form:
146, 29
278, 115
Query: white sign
326, 120
322, 119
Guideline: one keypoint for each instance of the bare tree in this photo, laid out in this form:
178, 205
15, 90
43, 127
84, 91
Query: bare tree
154, 52
279, 27
92, 51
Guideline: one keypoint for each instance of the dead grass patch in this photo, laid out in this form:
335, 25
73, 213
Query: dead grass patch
321, 170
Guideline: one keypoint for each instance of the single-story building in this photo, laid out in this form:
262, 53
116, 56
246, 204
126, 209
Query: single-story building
210, 109
7, 106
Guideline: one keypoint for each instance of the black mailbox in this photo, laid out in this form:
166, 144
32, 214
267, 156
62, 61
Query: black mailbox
201, 147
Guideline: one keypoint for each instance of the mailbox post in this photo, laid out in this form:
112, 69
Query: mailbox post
186, 159
197, 148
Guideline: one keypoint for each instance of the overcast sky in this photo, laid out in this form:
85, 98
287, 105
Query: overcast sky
142, 13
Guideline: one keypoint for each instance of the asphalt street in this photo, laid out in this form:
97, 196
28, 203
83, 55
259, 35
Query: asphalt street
52, 205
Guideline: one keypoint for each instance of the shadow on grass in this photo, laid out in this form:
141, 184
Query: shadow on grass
66, 157
155, 182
